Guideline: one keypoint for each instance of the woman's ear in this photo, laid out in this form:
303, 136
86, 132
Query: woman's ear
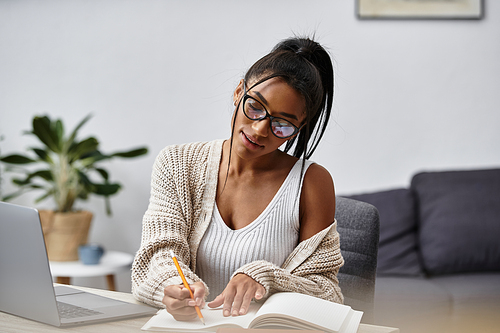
238, 92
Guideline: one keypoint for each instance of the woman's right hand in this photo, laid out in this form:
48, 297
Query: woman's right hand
179, 303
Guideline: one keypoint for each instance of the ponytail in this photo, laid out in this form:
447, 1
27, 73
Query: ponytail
306, 66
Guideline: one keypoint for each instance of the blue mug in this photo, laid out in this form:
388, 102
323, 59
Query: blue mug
90, 254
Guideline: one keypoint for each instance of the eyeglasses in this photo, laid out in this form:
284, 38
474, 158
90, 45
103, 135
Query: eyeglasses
254, 110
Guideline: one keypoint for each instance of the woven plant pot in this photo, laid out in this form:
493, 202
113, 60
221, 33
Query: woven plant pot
64, 232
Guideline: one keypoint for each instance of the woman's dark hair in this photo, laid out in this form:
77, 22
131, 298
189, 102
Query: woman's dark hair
306, 66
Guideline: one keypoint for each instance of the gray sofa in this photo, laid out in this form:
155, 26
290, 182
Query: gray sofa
438, 265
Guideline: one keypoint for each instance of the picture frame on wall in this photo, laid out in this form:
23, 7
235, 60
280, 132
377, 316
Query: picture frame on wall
420, 9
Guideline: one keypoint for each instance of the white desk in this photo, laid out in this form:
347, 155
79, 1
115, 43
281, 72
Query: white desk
13, 324
112, 262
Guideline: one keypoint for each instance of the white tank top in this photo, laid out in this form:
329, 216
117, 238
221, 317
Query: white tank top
272, 236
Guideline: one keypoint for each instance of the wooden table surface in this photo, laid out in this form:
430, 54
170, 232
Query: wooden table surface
11, 324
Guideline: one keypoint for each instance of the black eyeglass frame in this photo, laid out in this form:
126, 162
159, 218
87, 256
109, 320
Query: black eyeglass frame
246, 96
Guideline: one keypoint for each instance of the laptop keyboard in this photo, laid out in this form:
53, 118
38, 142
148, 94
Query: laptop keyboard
69, 311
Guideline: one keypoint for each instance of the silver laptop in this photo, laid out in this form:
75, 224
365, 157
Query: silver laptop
26, 286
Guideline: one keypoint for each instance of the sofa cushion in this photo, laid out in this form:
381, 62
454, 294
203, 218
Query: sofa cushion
397, 252
459, 220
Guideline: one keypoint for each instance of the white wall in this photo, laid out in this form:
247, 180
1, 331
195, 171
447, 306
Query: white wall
410, 95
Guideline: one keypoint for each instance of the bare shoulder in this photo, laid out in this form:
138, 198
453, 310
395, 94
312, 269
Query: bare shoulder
317, 201
316, 172
318, 182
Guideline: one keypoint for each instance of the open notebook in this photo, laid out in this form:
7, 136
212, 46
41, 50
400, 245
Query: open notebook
279, 311
26, 287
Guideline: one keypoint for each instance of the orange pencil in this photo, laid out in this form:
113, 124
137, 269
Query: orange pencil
172, 254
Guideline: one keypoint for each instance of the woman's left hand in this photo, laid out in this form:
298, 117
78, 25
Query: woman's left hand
237, 295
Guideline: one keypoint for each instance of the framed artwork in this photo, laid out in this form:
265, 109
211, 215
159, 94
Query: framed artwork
420, 9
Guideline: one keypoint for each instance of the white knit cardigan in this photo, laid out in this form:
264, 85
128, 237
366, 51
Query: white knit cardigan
183, 190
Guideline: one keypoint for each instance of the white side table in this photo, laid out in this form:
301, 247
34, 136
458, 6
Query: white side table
112, 262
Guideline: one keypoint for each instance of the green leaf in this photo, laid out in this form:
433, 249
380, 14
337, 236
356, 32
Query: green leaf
13, 195
93, 157
85, 181
83, 195
26, 184
103, 173
44, 174
131, 153
43, 129
106, 189
73, 134
59, 130
83, 148
43, 155
16, 159
21, 182
44, 196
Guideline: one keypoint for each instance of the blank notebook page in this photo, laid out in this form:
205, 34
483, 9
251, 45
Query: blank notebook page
307, 309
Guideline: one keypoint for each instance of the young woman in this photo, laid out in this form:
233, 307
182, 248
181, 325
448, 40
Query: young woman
245, 218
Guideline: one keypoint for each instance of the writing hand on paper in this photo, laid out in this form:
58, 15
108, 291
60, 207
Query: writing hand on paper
178, 301
237, 295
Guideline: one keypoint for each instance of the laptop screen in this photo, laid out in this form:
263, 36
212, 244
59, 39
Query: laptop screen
26, 286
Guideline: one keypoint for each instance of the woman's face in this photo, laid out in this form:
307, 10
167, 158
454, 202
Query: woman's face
253, 138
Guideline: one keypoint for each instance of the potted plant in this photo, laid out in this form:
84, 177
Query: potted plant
66, 169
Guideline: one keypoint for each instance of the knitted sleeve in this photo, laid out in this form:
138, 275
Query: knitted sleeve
166, 226
315, 276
